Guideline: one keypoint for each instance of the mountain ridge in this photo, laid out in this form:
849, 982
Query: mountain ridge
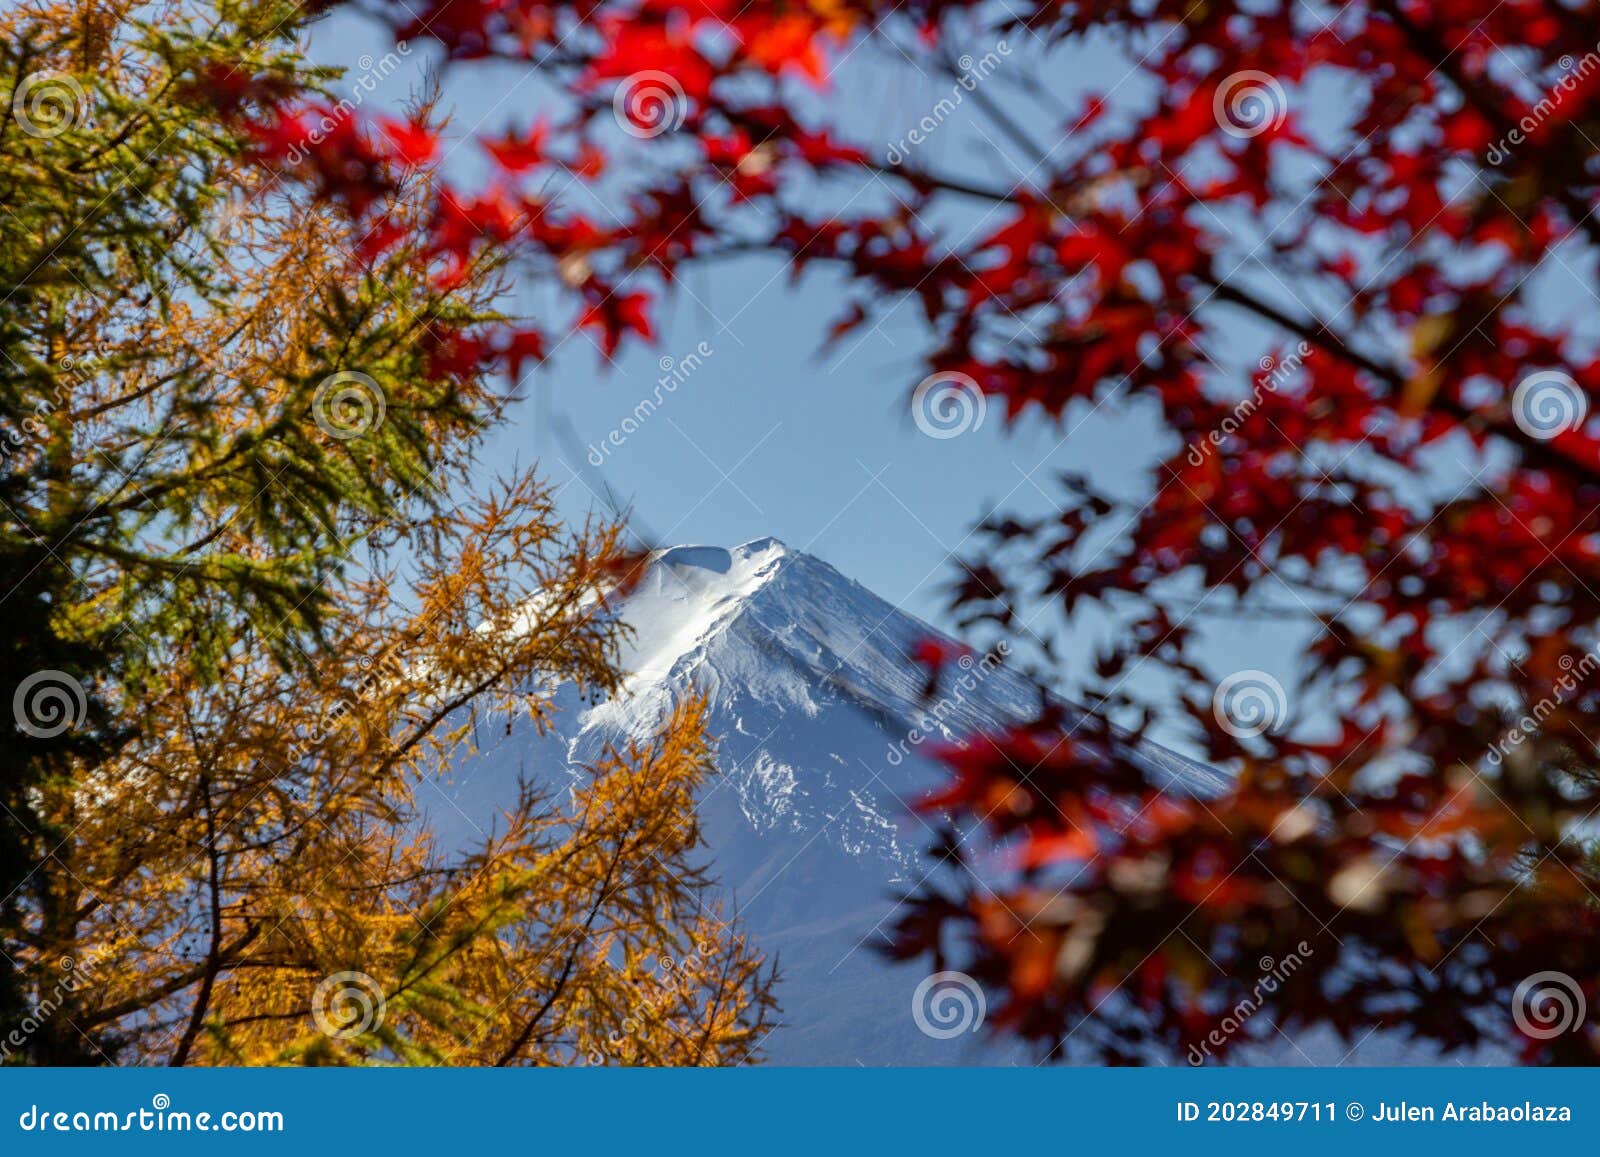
814, 700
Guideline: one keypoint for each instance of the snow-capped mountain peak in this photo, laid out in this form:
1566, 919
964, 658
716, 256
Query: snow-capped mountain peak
818, 712
762, 611
687, 594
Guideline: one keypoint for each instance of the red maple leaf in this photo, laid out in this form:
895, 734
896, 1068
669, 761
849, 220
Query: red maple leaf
615, 315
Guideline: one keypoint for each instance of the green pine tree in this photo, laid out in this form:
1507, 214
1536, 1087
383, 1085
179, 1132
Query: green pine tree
205, 401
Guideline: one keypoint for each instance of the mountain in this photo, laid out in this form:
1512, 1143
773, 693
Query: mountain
821, 727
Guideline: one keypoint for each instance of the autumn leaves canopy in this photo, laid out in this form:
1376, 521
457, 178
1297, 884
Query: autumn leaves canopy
1342, 315
252, 608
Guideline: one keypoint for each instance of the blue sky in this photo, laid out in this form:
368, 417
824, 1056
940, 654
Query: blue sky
776, 431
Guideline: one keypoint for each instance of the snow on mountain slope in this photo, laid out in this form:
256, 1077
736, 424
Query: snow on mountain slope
813, 703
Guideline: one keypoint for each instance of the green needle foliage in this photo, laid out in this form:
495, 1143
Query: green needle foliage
176, 463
